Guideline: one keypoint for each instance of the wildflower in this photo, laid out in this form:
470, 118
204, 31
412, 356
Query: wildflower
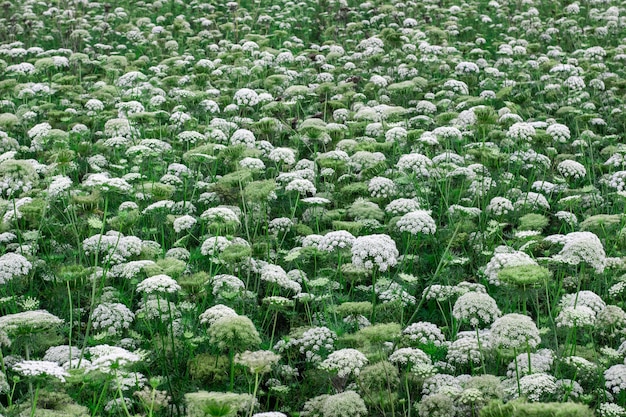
476, 308
374, 251
35, 368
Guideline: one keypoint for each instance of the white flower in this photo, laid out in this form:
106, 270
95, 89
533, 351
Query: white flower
302, 186
381, 187
521, 131
246, 97
112, 318
571, 169
13, 265
212, 314
59, 185
583, 247
615, 378
418, 221
424, 333
158, 284
415, 163
476, 308
377, 250
515, 331
36, 368
344, 362
340, 239
409, 356
537, 386
183, 223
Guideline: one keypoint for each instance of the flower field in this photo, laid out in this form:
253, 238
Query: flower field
331, 208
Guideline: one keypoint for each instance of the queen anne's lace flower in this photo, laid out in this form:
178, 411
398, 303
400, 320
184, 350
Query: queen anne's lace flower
344, 362
409, 357
424, 333
374, 251
615, 378
35, 368
583, 247
419, 221
212, 314
571, 169
158, 284
112, 318
515, 331
415, 163
13, 265
536, 387
381, 187
340, 239
476, 308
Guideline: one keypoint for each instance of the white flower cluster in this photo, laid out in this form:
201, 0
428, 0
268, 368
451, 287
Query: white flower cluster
184, 223
536, 387
615, 378
377, 250
392, 292
415, 163
409, 356
213, 314
583, 298
337, 240
402, 206
301, 186
559, 133
540, 361
252, 164
158, 284
28, 322
448, 133
285, 156
515, 331
521, 131
106, 358
59, 185
574, 82
105, 182
571, 169
214, 246
476, 308
113, 247
226, 283
381, 187
246, 97
578, 316
279, 225
220, 214
505, 258
467, 68
500, 206
312, 343
13, 265
583, 247
395, 134
113, 318
276, 274
419, 221
344, 362
243, 137
128, 270
468, 349
617, 180
424, 333
36, 368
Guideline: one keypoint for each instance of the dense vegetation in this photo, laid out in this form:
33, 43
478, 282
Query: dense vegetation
317, 209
